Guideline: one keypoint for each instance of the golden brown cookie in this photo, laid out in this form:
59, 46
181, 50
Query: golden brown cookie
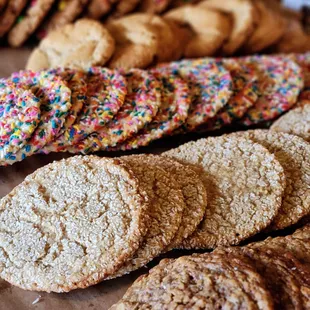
29, 23
270, 28
295, 122
211, 29
298, 244
207, 281
244, 183
136, 43
124, 7
243, 15
294, 39
293, 153
286, 277
10, 14
80, 45
98, 8
154, 6
67, 12
71, 224
166, 208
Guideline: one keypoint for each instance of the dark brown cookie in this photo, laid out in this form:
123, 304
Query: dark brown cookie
10, 14
208, 281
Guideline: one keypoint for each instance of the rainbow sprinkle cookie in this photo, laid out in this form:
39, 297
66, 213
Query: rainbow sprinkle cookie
172, 112
279, 84
245, 94
106, 92
19, 117
140, 107
55, 99
304, 61
211, 88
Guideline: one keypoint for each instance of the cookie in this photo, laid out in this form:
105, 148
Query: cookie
166, 208
244, 96
243, 15
80, 45
171, 114
295, 122
195, 197
211, 281
211, 88
211, 29
19, 116
297, 244
57, 237
28, 24
270, 28
2, 4
105, 95
292, 153
294, 39
9, 15
124, 7
68, 11
136, 40
286, 277
245, 185
55, 99
303, 60
141, 105
98, 8
279, 84
154, 6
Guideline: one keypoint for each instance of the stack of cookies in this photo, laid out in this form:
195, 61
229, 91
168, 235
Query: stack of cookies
76, 222
273, 274
78, 111
212, 27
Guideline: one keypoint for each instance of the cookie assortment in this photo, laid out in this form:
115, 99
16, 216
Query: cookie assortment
100, 109
79, 221
273, 274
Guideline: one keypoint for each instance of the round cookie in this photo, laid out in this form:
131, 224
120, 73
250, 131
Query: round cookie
124, 7
244, 17
245, 185
137, 42
303, 60
171, 114
55, 237
141, 105
28, 24
105, 95
295, 122
211, 29
80, 45
244, 96
10, 14
19, 117
279, 84
211, 88
269, 29
98, 8
166, 208
211, 281
154, 6
68, 11
55, 99
293, 153
286, 277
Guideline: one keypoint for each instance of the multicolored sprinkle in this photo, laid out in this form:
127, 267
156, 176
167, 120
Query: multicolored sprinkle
172, 113
19, 116
279, 84
141, 105
210, 84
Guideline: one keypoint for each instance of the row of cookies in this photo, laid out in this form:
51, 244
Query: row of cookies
76, 222
20, 19
272, 274
106, 110
140, 40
